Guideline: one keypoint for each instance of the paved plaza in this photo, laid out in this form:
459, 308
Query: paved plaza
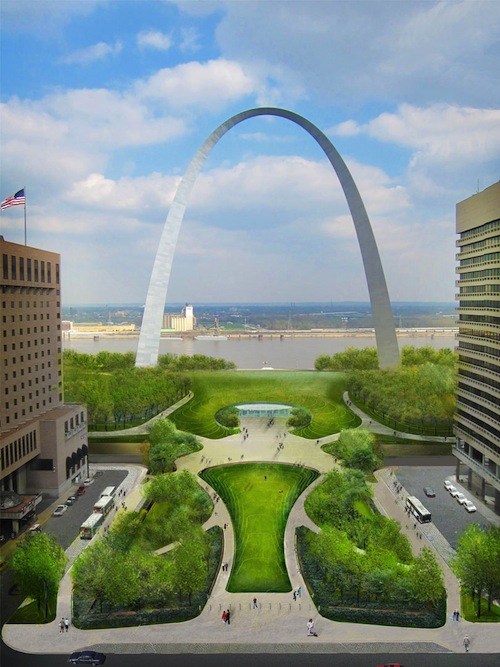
278, 623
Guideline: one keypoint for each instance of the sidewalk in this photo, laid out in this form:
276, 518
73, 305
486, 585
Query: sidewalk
278, 624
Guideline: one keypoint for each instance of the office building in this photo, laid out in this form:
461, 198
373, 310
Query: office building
477, 418
43, 442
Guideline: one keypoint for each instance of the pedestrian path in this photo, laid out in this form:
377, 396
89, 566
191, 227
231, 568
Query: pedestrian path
278, 623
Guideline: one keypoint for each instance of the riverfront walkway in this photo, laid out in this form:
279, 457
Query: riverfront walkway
278, 624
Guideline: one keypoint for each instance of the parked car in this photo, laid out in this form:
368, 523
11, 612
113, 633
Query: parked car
448, 485
453, 491
71, 500
461, 498
81, 490
430, 493
60, 509
35, 528
469, 506
88, 481
87, 658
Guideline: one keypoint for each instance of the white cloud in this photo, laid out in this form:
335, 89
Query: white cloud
92, 53
190, 40
210, 85
154, 39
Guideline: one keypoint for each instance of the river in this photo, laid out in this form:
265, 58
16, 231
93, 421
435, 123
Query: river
289, 353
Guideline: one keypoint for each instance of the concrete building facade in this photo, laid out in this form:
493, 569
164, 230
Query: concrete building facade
43, 442
186, 321
477, 417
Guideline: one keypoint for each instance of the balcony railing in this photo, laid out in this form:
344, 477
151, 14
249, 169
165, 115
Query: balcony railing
481, 470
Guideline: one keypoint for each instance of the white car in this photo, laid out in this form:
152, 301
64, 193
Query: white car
461, 498
60, 509
453, 491
469, 506
448, 485
88, 481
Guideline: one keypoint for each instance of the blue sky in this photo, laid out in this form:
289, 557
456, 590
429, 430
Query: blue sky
105, 102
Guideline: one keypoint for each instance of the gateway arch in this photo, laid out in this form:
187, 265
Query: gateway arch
385, 333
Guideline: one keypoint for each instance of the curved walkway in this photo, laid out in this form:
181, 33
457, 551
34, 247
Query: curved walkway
278, 624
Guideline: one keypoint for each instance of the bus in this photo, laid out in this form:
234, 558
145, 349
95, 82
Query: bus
104, 505
90, 526
417, 510
108, 491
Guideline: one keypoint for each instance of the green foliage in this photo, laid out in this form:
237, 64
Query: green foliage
427, 578
319, 393
351, 359
38, 566
356, 448
194, 362
417, 356
165, 445
421, 395
115, 392
228, 416
477, 562
299, 418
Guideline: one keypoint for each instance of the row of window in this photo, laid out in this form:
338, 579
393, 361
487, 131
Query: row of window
484, 425
30, 410
25, 268
481, 259
483, 303
493, 336
18, 449
480, 363
462, 345
74, 422
482, 288
486, 273
13, 360
492, 414
463, 372
476, 391
480, 319
479, 437
479, 245
483, 229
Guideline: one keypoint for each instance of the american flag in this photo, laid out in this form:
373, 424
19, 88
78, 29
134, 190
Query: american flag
14, 200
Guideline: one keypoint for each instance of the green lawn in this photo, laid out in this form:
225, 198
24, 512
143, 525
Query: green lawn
320, 393
469, 610
259, 497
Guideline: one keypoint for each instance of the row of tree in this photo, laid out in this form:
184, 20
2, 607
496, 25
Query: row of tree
356, 448
477, 563
366, 358
122, 570
361, 556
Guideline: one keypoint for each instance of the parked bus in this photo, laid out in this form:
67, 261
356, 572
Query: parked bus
417, 510
104, 505
90, 526
109, 491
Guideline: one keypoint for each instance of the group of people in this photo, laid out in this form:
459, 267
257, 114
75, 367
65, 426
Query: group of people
456, 615
297, 593
64, 625
226, 616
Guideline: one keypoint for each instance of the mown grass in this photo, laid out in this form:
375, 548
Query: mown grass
469, 610
29, 613
320, 393
259, 497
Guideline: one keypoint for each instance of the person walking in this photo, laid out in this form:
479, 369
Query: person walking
466, 643
228, 617
61, 625
224, 616
255, 603
66, 624
310, 628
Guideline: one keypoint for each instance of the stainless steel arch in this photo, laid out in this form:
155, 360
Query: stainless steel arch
149, 341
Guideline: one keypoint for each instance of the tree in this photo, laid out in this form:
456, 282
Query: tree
38, 566
427, 581
190, 563
477, 562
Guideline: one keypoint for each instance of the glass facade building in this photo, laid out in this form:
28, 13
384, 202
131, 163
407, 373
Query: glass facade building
477, 417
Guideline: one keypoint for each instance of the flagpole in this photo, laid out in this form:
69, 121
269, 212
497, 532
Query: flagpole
25, 243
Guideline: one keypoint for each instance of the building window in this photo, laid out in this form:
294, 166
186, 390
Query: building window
13, 267
49, 272
36, 270
42, 269
5, 264
21, 268
29, 275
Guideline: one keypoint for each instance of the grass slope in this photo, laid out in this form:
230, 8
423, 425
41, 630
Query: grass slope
259, 497
320, 393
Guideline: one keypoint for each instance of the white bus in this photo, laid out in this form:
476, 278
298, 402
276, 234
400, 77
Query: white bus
417, 510
104, 505
108, 491
90, 526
